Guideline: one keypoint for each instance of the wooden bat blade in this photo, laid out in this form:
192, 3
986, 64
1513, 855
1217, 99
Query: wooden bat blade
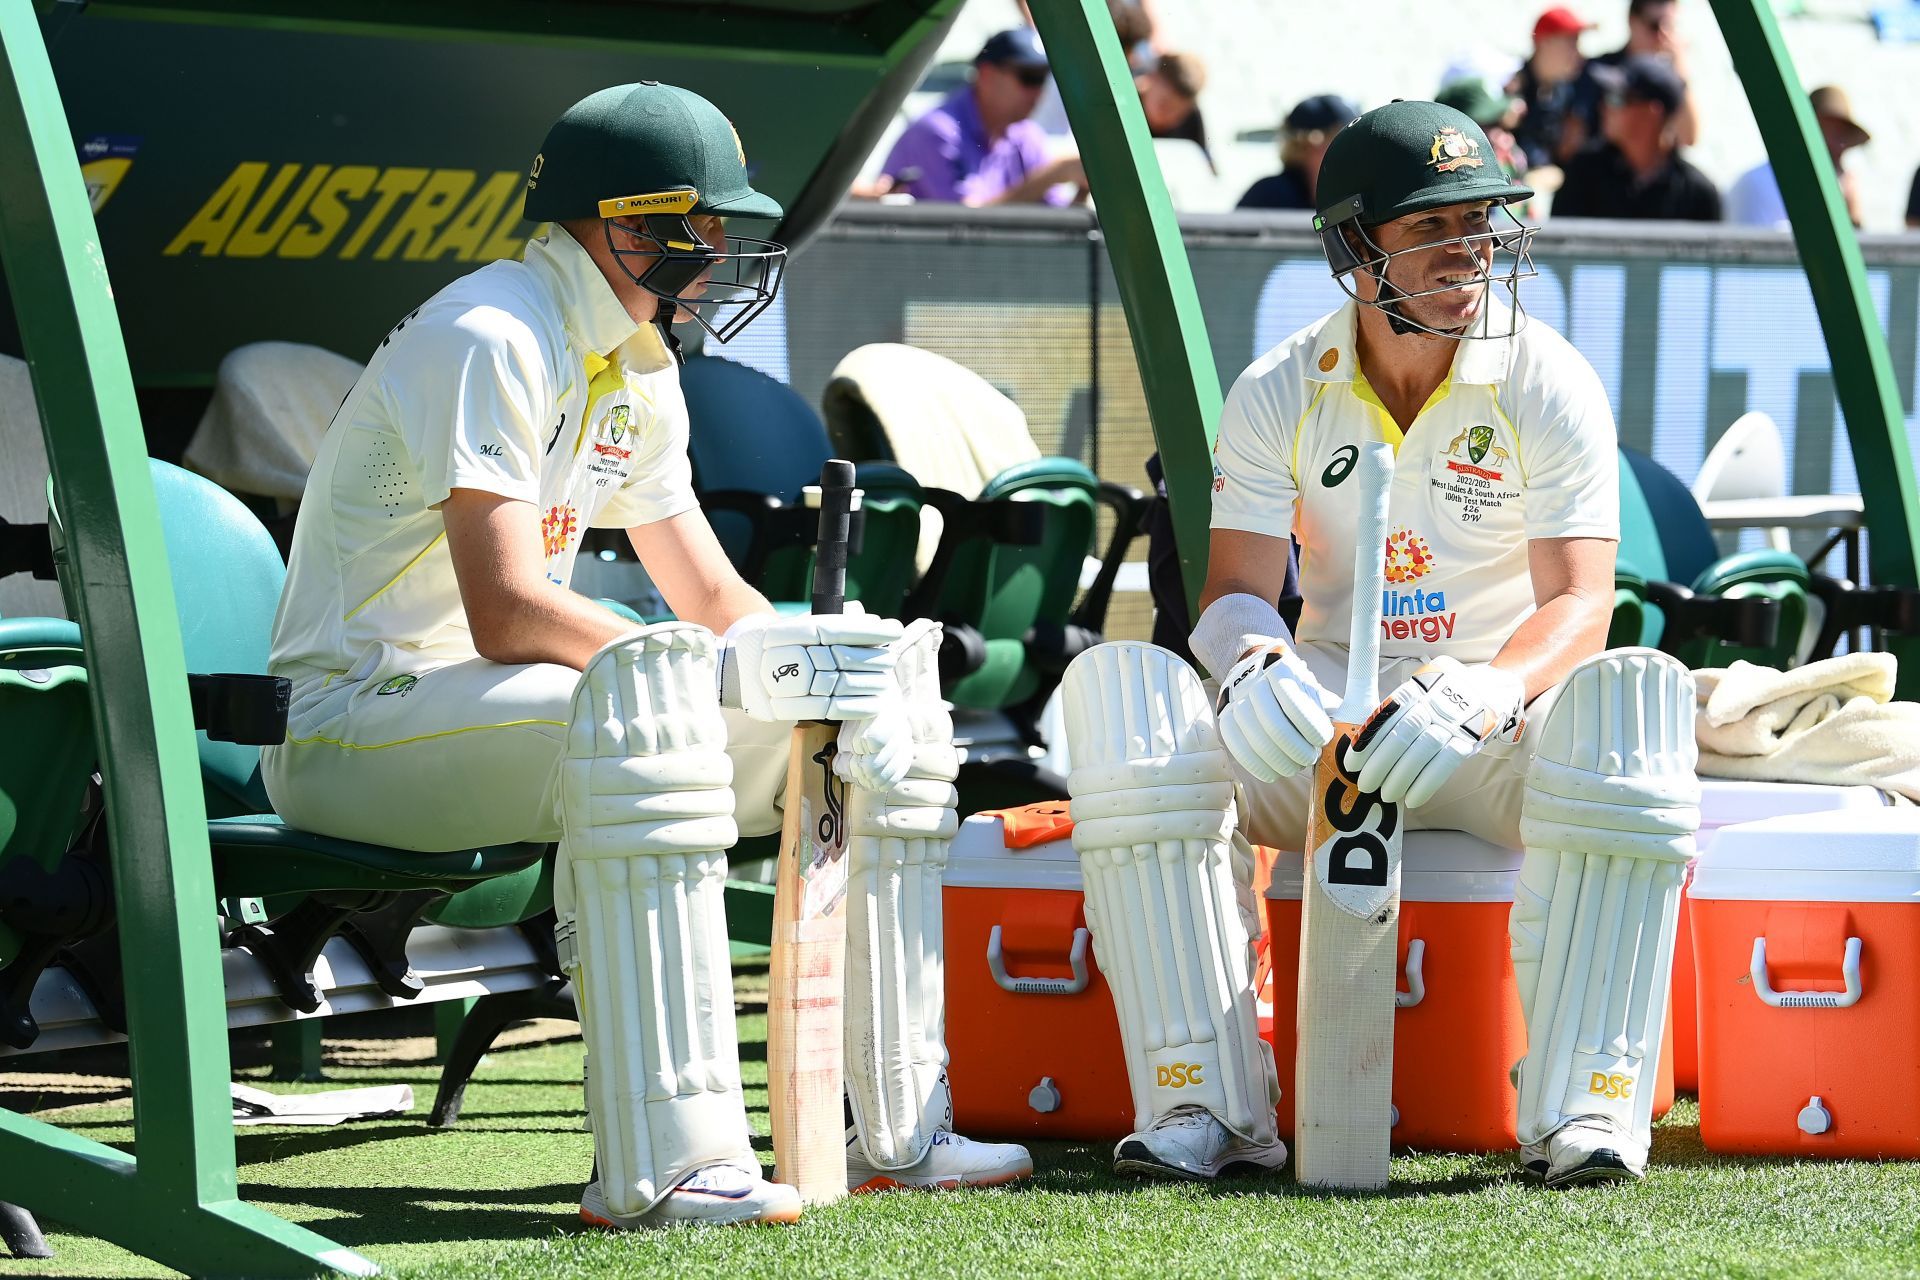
1349, 931
806, 987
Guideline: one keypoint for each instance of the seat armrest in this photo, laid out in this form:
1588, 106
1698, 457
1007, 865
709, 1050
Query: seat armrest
1750, 622
1129, 507
1004, 521
247, 709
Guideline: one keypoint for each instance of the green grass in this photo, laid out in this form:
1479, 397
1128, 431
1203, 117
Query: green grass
497, 1197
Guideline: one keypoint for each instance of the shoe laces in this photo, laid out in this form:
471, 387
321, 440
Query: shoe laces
716, 1178
1184, 1117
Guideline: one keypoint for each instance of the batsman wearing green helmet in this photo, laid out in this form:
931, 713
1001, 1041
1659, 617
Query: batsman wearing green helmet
1505, 718
450, 691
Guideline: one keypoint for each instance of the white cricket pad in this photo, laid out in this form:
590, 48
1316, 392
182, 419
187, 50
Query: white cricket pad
646, 813
1612, 804
897, 842
1153, 811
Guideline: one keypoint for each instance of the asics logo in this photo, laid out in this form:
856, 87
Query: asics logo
1341, 467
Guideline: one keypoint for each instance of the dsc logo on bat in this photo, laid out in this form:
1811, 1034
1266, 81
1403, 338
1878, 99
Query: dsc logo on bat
1358, 865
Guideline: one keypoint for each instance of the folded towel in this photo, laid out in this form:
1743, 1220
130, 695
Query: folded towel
1827, 722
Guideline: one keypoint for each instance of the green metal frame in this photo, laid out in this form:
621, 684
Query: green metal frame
1863, 377
177, 1201
1169, 332
1149, 262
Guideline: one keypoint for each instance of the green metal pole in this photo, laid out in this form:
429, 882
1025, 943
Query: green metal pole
1857, 348
1149, 261
163, 877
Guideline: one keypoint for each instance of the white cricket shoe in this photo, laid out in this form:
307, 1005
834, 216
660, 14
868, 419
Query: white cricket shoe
1593, 1149
718, 1194
951, 1161
1188, 1142
1534, 1158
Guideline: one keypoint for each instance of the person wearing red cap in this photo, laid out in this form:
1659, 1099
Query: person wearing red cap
1563, 98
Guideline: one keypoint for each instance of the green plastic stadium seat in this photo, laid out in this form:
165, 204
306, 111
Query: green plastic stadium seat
1664, 537
226, 574
755, 445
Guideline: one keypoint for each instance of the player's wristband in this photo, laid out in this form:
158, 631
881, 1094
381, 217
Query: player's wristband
1233, 625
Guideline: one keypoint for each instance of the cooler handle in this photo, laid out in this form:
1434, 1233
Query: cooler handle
997, 966
1849, 970
1416, 980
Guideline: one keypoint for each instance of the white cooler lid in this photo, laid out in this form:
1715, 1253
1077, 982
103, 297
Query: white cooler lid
980, 859
1435, 866
1850, 855
1724, 801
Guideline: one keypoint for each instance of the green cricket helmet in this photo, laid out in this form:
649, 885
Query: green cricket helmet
646, 158
1411, 157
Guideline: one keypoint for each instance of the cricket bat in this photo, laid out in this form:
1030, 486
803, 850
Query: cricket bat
807, 989
1350, 908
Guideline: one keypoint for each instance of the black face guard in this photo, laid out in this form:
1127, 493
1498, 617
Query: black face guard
1514, 240
653, 240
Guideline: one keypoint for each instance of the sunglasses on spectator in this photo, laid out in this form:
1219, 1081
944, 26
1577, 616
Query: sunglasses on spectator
1031, 77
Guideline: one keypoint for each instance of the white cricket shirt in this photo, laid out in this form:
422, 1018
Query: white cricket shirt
526, 379
1517, 443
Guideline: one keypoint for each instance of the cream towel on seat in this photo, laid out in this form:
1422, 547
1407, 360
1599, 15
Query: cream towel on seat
1829, 722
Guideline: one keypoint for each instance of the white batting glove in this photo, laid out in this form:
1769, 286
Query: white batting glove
876, 753
1444, 713
1273, 713
812, 667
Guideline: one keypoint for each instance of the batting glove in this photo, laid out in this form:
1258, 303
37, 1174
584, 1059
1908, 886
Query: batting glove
813, 667
1427, 728
1272, 712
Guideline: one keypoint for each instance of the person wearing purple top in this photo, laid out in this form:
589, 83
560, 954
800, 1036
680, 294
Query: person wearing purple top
978, 147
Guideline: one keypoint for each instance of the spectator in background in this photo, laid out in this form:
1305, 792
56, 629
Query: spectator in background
1133, 22
1170, 97
1637, 170
1754, 198
1497, 114
978, 147
1653, 31
1561, 95
1304, 136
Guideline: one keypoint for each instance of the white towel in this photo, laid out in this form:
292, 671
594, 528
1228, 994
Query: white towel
1830, 722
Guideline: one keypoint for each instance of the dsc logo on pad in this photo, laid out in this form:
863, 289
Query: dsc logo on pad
1179, 1075
1603, 1084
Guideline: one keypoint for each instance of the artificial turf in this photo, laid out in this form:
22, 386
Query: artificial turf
497, 1196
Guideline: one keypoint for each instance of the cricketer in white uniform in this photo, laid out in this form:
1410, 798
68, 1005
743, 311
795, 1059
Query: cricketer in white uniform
1505, 718
451, 691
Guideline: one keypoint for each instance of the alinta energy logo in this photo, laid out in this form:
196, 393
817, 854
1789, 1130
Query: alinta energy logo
557, 529
1412, 614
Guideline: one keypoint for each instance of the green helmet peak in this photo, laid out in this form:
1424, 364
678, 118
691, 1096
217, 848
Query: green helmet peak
637, 140
1407, 157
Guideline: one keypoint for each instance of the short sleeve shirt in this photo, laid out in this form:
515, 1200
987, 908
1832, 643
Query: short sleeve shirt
946, 155
1517, 444
524, 379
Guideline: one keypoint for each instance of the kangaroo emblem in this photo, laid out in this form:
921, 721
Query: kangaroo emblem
1453, 448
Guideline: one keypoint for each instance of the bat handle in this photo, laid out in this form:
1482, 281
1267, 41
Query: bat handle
830, 549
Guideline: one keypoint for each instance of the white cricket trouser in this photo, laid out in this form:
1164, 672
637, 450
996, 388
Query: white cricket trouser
466, 755
1482, 798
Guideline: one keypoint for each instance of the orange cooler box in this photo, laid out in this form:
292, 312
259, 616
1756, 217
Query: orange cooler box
1724, 802
1806, 935
1033, 1043
1458, 1030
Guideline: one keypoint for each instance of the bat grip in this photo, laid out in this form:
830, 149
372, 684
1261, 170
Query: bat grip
830, 548
1375, 478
